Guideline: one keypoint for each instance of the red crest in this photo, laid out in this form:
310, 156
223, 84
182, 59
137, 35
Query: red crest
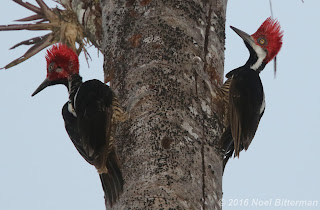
64, 57
269, 30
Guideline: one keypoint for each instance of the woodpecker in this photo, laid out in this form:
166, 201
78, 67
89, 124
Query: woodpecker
90, 117
243, 90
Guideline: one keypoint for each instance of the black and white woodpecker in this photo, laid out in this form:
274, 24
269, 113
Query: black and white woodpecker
90, 117
243, 90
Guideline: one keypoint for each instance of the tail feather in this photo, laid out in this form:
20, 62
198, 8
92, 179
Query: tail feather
227, 155
114, 169
227, 145
107, 188
112, 182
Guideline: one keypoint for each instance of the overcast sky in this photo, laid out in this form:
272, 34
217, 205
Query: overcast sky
40, 168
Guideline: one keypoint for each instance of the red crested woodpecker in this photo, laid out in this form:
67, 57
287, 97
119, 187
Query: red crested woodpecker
90, 117
243, 90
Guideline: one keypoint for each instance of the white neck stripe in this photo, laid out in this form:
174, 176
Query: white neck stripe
262, 54
75, 98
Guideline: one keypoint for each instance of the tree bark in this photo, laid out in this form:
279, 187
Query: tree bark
165, 62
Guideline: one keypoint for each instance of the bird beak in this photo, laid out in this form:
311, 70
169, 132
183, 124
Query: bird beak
246, 37
43, 85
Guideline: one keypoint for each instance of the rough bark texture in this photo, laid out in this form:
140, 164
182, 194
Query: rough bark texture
165, 59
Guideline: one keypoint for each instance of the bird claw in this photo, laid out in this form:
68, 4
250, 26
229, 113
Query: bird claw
48, 19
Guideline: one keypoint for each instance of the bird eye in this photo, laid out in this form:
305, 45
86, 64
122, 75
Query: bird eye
262, 41
50, 67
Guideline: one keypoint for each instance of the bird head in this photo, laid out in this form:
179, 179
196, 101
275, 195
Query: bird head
62, 62
264, 44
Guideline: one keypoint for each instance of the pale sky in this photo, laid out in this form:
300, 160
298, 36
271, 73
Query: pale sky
41, 169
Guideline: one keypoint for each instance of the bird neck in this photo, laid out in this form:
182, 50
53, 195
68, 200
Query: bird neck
74, 83
256, 59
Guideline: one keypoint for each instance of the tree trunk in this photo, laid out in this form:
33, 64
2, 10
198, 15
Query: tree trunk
165, 61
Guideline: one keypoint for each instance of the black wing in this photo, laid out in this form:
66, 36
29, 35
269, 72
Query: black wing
93, 105
71, 125
246, 100
90, 131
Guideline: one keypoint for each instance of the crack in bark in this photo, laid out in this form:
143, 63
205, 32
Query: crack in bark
205, 66
196, 81
206, 39
203, 170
